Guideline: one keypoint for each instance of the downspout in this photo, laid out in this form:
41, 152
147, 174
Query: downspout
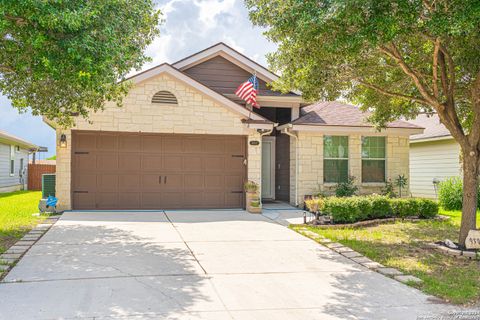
287, 132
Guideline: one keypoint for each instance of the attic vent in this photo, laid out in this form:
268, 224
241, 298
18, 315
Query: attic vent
164, 97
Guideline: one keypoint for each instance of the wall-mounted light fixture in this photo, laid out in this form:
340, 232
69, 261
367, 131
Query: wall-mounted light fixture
63, 141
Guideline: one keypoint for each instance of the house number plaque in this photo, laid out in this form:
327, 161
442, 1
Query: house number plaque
473, 239
254, 143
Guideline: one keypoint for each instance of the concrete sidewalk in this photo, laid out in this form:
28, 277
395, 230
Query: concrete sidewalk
195, 265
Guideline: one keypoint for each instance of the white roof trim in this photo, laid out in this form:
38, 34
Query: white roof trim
350, 129
10, 139
166, 68
230, 54
449, 137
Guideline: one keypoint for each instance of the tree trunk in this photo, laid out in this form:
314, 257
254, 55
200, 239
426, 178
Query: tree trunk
470, 185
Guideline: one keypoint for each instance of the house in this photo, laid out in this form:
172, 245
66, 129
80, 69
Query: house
434, 156
183, 140
14, 154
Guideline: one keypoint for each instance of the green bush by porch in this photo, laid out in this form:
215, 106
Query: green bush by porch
359, 208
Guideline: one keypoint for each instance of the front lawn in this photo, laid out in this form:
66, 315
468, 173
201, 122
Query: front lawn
401, 245
16, 209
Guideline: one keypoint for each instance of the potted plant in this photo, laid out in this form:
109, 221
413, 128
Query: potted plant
253, 203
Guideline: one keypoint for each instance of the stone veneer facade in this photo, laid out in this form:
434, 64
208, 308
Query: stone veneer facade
310, 171
195, 113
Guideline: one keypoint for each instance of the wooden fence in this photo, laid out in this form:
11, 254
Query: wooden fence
35, 172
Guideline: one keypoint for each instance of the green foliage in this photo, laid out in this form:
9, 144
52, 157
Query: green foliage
347, 188
427, 208
380, 207
66, 57
450, 194
343, 48
388, 189
359, 208
251, 186
405, 207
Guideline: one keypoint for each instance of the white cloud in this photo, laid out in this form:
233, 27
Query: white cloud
209, 9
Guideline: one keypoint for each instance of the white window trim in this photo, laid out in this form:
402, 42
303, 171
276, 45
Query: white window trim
330, 158
12, 158
375, 183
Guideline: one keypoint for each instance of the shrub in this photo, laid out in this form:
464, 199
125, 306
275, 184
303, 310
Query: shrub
342, 210
380, 207
315, 204
404, 207
358, 208
450, 194
346, 189
427, 208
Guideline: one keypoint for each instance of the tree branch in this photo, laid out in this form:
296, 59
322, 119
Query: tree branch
19, 21
390, 93
435, 68
395, 55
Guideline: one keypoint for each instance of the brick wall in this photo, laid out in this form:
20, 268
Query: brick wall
195, 113
310, 158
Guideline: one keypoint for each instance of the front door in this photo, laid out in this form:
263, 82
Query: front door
268, 167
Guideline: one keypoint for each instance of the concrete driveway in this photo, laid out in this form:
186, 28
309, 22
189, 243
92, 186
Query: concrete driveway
195, 265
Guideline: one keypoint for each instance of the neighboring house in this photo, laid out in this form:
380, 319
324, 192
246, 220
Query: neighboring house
434, 156
14, 154
183, 140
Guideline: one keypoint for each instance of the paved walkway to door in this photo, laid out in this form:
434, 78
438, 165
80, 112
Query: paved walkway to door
195, 265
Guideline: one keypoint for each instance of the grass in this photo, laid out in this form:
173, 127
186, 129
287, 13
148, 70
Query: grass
16, 209
401, 245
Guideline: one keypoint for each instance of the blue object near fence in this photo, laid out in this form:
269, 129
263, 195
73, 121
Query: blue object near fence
51, 201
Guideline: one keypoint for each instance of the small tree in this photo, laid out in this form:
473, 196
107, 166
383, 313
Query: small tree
60, 58
396, 58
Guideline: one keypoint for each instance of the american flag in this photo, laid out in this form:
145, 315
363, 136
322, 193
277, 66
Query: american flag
248, 91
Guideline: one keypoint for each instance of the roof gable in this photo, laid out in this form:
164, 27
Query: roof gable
221, 49
215, 96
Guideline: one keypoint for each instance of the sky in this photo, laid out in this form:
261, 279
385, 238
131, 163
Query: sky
190, 26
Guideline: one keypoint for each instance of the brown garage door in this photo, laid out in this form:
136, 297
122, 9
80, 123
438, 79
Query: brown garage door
117, 170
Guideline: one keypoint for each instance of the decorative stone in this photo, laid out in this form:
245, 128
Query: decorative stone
407, 278
17, 250
334, 245
372, 265
454, 252
389, 271
470, 254
351, 254
4, 267
325, 241
449, 243
7, 260
25, 242
30, 238
10, 255
473, 239
362, 259
342, 249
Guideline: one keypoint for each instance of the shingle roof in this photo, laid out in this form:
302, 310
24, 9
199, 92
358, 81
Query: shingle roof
335, 113
433, 127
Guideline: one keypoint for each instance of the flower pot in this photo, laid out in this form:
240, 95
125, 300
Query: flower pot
253, 204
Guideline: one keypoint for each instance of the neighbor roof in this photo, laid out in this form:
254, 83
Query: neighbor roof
336, 113
11, 139
434, 129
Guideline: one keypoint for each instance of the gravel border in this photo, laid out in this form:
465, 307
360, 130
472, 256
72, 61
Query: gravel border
360, 259
11, 256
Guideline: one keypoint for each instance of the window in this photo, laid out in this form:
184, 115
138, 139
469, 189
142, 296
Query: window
12, 160
335, 159
17, 148
373, 159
